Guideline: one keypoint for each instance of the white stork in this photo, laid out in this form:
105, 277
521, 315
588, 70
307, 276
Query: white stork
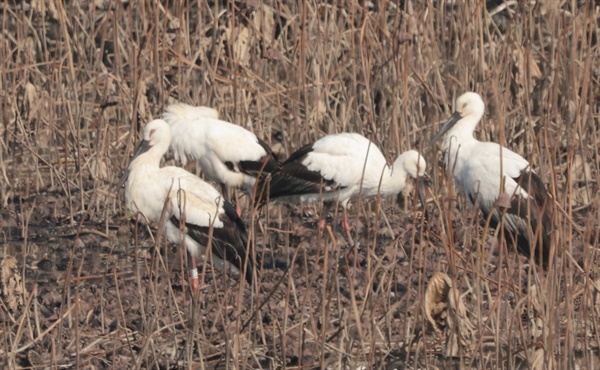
227, 153
338, 168
190, 200
484, 170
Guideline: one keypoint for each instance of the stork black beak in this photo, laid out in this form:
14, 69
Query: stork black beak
123, 179
142, 148
422, 183
447, 126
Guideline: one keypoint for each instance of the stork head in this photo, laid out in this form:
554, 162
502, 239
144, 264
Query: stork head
156, 134
470, 104
156, 138
413, 163
469, 109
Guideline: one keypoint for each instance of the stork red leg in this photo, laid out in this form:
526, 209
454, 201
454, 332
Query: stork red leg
346, 224
353, 252
321, 224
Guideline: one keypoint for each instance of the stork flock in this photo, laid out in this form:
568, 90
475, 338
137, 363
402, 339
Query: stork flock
335, 169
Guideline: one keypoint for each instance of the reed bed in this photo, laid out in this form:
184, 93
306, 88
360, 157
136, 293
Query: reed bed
86, 285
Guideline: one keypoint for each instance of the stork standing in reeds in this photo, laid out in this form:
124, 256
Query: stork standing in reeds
194, 210
226, 153
484, 171
337, 168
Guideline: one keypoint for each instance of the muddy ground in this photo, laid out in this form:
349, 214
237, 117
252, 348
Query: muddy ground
108, 296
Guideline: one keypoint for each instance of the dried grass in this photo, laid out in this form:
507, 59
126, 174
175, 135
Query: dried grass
79, 80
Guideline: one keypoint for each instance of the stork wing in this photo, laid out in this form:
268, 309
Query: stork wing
228, 242
342, 158
294, 178
524, 214
203, 207
265, 165
234, 144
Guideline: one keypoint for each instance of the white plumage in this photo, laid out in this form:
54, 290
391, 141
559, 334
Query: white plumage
190, 199
227, 153
338, 168
190, 112
484, 170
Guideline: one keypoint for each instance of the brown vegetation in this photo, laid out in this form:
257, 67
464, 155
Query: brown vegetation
79, 80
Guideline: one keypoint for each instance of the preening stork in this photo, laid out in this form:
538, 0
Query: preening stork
484, 170
190, 112
189, 200
338, 168
227, 153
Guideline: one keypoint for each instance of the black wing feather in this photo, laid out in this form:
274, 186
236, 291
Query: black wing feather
228, 242
253, 168
293, 178
299, 155
535, 212
534, 186
538, 213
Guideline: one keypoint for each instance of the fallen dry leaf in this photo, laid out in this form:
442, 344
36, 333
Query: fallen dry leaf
446, 312
11, 285
264, 21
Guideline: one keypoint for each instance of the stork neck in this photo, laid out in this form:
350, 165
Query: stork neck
461, 133
394, 177
152, 157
